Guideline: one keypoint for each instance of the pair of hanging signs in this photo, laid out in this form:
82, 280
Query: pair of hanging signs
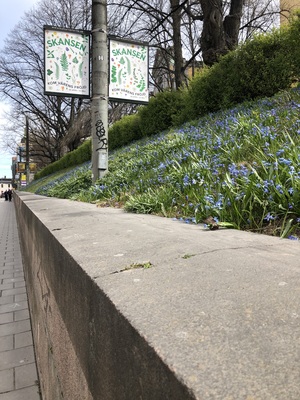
67, 66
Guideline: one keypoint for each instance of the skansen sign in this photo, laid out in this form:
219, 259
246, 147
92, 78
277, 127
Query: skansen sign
67, 66
67, 62
128, 71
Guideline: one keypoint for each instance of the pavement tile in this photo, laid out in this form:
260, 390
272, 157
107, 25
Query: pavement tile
13, 328
20, 315
6, 299
20, 305
30, 393
7, 317
9, 262
18, 274
18, 374
9, 292
16, 358
6, 343
12, 280
5, 286
7, 275
25, 376
2, 269
23, 339
20, 297
19, 284
6, 380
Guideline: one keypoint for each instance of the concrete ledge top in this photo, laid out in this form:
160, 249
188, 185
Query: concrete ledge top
221, 308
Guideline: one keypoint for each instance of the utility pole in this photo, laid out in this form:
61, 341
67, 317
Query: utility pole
27, 149
99, 90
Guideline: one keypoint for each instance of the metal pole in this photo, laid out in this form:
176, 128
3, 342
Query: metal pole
99, 90
27, 149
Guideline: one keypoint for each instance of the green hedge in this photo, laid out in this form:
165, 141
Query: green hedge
74, 158
124, 131
259, 68
161, 112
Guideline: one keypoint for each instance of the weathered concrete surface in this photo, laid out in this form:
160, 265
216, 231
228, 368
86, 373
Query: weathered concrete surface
216, 317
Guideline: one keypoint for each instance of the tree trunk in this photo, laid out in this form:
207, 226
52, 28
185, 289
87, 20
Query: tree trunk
232, 23
178, 59
219, 37
212, 38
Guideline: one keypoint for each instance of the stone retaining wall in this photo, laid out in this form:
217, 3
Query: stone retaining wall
139, 307
86, 348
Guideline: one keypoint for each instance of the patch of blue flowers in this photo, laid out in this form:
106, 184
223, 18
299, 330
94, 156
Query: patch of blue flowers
240, 165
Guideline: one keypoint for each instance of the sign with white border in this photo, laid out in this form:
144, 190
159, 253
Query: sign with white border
67, 62
128, 71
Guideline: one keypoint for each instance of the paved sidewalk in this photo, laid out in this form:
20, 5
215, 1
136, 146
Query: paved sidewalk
18, 374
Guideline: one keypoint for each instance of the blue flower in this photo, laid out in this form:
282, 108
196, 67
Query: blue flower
284, 161
269, 217
279, 189
186, 180
279, 152
291, 237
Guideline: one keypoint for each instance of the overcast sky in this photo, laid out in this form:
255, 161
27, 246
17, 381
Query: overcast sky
11, 13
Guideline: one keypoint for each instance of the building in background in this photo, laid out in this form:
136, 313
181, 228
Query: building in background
5, 184
20, 168
287, 7
164, 71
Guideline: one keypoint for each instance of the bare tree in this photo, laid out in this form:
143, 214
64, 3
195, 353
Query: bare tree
181, 31
22, 75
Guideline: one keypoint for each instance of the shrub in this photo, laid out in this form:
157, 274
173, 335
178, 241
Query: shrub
161, 112
260, 67
292, 45
124, 131
76, 157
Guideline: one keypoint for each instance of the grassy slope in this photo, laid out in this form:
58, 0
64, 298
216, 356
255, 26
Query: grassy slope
240, 167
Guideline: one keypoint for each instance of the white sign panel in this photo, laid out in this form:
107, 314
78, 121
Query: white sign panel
128, 71
67, 62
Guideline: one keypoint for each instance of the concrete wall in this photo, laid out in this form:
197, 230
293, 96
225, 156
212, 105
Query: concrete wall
86, 348
216, 316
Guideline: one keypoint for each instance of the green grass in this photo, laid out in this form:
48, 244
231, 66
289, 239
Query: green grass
240, 167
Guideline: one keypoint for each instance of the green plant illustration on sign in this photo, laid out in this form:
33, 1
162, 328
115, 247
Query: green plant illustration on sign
64, 62
50, 53
80, 70
67, 62
122, 75
139, 81
113, 74
128, 65
56, 70
142, 84
128, 71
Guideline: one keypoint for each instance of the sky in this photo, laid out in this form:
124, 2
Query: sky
10, 15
